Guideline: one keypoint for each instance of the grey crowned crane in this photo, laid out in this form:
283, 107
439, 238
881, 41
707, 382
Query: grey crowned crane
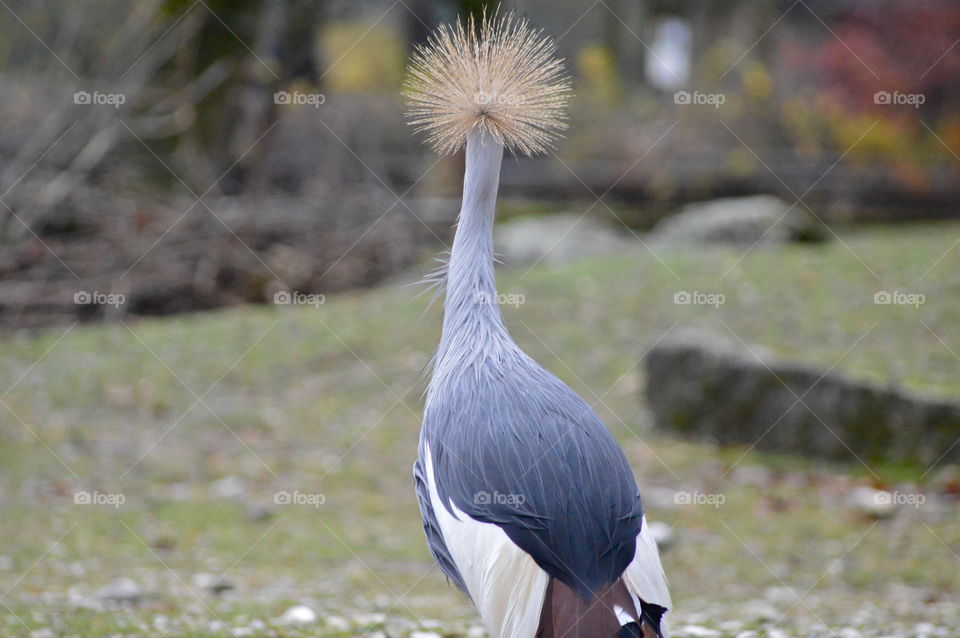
528, 502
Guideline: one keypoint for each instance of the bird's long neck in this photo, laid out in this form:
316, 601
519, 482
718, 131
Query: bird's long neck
471, 314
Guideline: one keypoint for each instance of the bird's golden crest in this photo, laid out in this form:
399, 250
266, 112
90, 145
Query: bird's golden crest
501, 76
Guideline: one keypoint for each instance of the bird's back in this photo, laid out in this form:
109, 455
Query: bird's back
514, 446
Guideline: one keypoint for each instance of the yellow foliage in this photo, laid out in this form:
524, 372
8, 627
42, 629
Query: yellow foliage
741, 162
862, 136
357, 57
597, 72
756, 82
804, 124
719, 58
885, 139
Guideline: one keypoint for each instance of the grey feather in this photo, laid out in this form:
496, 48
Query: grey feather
512, 445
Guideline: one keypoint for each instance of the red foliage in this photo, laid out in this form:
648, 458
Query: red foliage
910, 48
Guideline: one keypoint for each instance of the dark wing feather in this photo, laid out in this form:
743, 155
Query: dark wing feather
514, 446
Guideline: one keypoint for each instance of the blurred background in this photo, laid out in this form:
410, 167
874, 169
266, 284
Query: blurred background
145, 152
743, 253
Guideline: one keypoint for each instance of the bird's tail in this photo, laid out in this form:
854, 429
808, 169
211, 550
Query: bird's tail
612, 613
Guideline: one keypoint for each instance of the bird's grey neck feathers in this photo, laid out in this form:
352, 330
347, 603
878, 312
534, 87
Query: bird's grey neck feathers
472, 322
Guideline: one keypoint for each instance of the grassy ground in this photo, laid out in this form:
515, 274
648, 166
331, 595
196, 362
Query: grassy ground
198, 422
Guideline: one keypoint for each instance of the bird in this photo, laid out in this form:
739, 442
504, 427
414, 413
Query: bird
528, 503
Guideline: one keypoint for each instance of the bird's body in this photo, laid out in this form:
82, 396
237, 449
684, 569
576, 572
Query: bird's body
528, 503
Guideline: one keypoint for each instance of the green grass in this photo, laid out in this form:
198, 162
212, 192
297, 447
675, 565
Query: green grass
327, 401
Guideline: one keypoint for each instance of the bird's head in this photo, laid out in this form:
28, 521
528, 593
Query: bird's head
498, 76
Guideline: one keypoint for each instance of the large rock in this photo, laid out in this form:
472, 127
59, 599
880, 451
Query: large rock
556, 239
739, 220
709, 388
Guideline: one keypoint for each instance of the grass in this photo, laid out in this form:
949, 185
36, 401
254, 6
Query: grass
327, 401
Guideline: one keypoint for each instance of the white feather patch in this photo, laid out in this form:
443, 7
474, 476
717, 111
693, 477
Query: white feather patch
644, 576
504, 582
